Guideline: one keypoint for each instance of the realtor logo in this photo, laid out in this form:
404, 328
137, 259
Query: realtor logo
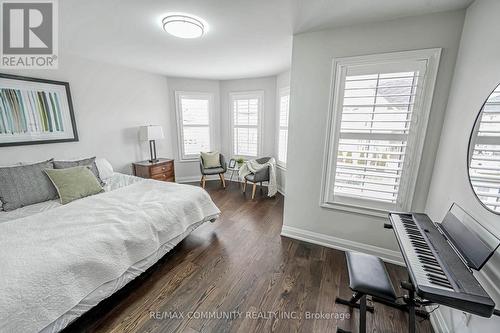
29, 34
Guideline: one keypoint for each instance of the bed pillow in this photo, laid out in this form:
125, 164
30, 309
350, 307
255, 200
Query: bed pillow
25, 185
74, 183
210, 159
105, 169
85, 162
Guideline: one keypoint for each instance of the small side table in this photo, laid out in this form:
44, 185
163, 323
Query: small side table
233, 170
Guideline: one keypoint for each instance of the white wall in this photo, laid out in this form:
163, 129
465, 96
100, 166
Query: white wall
310, 92
110, 103
282, 81
190, 170
477, 73
266, 84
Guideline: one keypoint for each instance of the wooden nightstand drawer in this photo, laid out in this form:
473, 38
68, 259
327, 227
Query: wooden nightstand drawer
159, 169
162, 170
168, 177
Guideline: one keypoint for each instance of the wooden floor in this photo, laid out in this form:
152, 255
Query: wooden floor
239, 275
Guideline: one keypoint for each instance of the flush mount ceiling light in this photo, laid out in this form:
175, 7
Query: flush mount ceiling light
184, 26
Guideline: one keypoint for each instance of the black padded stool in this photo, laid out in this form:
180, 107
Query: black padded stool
367, 276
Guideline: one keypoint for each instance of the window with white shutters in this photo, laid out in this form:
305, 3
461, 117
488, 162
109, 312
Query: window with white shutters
484, 166
194, 123
284, 106
379, 124
246, 113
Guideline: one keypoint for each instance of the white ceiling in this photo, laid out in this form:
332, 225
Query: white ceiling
246, 38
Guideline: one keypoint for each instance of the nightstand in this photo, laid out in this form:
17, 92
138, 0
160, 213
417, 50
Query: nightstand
161, 170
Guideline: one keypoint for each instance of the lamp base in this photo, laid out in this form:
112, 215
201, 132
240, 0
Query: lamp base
152, 151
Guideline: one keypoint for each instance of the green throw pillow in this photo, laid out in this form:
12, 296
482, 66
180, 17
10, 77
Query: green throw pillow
210, 159
74, 183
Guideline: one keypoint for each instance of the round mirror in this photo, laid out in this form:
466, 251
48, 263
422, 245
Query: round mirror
484, 153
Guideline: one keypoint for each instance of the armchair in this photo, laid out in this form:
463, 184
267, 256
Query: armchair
214, 171
258, 177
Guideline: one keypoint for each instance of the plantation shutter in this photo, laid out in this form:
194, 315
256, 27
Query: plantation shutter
283, 127
195, 125
246, 126
380, 106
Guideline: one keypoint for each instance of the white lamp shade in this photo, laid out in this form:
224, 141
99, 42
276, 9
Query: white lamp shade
151, 132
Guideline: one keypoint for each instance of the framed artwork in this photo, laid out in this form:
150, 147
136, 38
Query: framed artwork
232, 163
35, 111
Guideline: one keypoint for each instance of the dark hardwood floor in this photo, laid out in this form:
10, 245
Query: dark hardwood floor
241, 263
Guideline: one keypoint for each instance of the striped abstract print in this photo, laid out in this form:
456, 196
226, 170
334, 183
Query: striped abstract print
29, 111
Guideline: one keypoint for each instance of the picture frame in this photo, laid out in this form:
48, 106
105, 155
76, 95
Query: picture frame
232, 163
35, 111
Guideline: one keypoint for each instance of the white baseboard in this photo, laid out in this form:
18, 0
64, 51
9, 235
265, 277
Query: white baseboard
390, 256
438, 322
192, 179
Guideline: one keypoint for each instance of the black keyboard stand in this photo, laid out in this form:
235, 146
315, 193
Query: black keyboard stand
410, 304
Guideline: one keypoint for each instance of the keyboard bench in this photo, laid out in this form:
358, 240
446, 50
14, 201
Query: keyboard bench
367, 276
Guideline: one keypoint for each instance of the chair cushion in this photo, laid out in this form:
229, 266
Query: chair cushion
210, 159
368, 275
250, 177
213, 171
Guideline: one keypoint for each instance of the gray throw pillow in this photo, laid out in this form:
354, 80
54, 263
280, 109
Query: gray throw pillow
26, 185
85, 162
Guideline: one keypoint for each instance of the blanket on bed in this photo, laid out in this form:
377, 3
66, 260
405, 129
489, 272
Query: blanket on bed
50, 261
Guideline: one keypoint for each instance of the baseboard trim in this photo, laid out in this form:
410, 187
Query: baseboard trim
393, 257
437, 321
194, 179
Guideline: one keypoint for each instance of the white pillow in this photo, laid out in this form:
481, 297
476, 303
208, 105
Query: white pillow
105, 168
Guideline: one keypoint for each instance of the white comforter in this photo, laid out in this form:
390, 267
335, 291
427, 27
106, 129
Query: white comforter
50, 261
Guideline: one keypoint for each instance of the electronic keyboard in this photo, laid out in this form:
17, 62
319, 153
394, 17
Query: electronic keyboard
439, 260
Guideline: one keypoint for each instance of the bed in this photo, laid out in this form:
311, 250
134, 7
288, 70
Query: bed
58, 261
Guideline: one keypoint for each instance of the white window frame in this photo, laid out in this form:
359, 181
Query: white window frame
180, 126
259, 94
283, 91
414, 149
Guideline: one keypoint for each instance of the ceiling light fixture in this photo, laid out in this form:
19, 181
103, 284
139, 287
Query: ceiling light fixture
184, 26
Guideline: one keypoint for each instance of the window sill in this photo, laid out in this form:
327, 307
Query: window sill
189, 160
373, 212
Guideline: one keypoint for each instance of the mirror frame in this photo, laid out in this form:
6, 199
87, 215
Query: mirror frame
478, 117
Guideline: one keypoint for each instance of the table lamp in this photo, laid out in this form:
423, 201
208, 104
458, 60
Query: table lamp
151, 133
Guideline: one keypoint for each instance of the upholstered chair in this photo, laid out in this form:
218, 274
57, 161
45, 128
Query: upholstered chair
258, 177
214, 171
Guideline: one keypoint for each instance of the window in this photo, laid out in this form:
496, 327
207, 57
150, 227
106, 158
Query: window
194, 123
284, 106
378, 124
246, 114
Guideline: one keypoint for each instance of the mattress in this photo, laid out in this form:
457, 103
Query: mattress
180, 206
